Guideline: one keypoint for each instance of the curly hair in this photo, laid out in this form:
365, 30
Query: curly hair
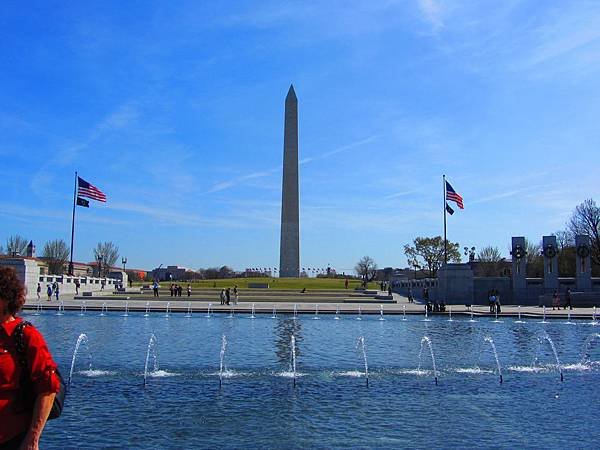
12, 291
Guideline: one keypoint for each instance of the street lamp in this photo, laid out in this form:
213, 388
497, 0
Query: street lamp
99, 265
470, 252
124, 261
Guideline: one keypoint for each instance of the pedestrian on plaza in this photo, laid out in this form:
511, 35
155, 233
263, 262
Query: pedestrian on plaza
179, 290
49, 292
24, 406
155, 288
172, 289
555, 299
189, 290
389, 289
38, 291
491, 301
56, 291
235, 295
568, 299
102, 284
346, 283
222, 296
77, 286
497, 301
411, 299
228, 295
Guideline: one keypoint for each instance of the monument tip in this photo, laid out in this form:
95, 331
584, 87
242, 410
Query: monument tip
291, 93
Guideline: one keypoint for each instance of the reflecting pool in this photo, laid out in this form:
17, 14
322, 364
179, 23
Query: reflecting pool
223, 381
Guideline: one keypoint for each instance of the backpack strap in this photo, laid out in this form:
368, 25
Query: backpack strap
18, 335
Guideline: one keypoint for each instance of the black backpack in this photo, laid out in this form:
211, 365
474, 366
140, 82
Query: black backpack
26, 388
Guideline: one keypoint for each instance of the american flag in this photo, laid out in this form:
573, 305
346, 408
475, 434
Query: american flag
88, 190
453, 196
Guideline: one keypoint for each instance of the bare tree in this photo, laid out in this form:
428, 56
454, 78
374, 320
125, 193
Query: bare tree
366, 268
16, 244
564, 239
586, 220
535, 260
106, 254
490, 262
429, 253
56, 254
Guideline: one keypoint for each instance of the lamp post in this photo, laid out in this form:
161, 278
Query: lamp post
470, 252
124, 261
99, 265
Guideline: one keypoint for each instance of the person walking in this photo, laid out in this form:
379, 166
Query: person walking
346, 283
497, 301
228, 295
555, 299
24, 407
38, 291
222, 296
155, 288
49, 292
179, 290
56, 291
235, 295
568, 299
189, 290
77, 286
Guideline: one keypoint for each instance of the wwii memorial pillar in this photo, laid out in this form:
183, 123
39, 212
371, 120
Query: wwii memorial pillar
550, 252
583, 278
289, 250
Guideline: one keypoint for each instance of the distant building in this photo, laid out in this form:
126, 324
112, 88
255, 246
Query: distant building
169, 273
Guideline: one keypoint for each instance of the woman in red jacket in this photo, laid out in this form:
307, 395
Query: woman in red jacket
22, 420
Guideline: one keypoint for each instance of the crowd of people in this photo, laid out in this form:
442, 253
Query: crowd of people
494, 301
556, 299
226, 296
176, 290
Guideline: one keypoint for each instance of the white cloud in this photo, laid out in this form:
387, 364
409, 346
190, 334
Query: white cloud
432, 11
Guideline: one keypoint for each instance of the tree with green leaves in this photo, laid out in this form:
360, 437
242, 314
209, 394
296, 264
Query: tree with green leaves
16, 244
56, 254
106, 255
428, 253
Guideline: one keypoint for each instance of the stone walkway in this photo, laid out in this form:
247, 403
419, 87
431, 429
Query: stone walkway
264, 306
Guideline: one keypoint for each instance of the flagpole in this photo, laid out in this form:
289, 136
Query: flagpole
73, 225
445, 241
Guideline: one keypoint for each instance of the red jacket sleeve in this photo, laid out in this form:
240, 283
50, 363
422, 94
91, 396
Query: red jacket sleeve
42, 368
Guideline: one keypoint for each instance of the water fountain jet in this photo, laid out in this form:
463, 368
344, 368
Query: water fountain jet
82, 339
361, 343
222, 358
426, 340
152, 350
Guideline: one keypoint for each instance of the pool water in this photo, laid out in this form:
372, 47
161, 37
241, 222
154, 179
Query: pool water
257, 405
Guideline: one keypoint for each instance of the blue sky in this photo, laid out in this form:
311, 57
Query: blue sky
175, 111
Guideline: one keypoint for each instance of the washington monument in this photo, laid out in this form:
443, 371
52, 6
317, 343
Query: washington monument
289, 250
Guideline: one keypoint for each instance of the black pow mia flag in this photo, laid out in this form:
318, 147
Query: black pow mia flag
86, 204
449, 210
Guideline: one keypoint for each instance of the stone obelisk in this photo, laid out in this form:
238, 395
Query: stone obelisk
289, 250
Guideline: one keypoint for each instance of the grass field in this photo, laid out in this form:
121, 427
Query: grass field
274, 283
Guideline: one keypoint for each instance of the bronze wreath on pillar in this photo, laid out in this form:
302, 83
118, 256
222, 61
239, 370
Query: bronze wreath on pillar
549, 251
518, 252
583, 251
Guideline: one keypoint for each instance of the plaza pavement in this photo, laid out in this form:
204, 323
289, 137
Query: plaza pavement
284, 304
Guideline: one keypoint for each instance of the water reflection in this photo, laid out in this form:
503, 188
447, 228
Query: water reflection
284, 328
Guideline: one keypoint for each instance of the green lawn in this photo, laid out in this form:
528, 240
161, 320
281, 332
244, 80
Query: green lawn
274, 283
